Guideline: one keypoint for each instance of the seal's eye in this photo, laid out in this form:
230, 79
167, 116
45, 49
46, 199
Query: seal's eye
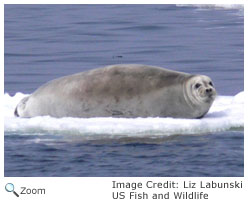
197, 85
210, 83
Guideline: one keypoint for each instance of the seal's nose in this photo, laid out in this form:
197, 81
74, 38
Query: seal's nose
208, 90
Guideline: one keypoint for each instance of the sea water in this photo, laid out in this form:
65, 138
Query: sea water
43, 42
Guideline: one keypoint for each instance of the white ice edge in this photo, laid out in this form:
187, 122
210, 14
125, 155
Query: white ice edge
226, 113
214, 6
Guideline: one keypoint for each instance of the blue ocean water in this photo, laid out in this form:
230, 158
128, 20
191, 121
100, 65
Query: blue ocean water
43, 42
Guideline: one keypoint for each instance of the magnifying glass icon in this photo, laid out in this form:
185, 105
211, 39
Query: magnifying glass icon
9, 187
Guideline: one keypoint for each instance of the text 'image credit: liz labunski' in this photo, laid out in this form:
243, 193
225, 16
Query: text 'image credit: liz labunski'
182, 190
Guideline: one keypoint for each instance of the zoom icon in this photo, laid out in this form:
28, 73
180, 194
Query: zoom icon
9, 187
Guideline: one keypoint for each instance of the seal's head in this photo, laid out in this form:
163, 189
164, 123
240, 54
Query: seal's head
200, 93
203, 88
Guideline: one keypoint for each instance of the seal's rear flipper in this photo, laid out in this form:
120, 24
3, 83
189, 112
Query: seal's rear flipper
16, 113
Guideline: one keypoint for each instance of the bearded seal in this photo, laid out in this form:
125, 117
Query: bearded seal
126, 90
